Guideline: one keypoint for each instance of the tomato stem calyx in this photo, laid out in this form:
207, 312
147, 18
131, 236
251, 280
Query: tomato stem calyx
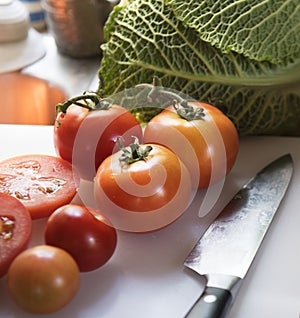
133, 153
187, 111
90, 100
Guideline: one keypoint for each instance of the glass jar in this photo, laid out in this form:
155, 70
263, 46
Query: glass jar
76, 25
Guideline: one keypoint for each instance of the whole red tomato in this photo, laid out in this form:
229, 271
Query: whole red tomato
84, 233
43, 279
15, 230
201, 135
142, 188
86, 131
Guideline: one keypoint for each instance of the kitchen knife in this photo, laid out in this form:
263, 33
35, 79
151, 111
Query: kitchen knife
226, 250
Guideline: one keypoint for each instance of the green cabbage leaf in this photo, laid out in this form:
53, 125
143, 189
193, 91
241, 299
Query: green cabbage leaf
241, 56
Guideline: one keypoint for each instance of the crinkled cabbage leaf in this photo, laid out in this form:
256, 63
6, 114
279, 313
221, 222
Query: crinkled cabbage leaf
242, 56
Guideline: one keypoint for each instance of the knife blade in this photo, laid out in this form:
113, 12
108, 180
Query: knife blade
226, 250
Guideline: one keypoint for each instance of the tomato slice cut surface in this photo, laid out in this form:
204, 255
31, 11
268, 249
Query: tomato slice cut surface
15, 230
41, 182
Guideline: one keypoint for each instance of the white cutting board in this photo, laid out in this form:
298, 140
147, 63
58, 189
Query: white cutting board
146, 278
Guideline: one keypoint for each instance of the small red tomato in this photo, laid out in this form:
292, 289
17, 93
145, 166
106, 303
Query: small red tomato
84, 233
41, 182
142, 188
201, 135
15, 230
86, 136
43, 279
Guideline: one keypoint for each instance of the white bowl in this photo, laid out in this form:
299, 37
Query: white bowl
14, 21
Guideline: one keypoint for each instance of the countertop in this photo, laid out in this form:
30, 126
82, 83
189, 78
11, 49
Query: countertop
146, 277
73, 75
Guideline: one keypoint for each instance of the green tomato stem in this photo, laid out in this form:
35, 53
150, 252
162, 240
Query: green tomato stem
91, 101
183, 108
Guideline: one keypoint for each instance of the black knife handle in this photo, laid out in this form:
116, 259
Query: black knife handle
213, 303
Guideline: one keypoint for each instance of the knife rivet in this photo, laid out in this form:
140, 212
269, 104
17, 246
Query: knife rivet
210, 298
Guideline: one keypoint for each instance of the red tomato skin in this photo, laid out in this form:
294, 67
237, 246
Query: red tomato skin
208, 147
25, 177
43, 279
21, 233
85, 138
66, 128
146, 196
84, 233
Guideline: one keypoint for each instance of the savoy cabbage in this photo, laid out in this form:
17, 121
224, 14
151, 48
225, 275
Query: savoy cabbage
242, 56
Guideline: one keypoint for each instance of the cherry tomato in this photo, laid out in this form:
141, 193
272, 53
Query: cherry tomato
43, 279
86, 137
15, 230
201, 135
142, 188
84, 233
42, 183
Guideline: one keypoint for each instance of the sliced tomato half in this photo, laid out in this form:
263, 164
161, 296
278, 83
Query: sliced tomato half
15, 230
41, 182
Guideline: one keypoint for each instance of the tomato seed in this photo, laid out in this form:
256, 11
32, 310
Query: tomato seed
6, 227
49, 185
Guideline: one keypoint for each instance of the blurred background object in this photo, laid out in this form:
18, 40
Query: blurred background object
40, 68
26, 99
14, 21
20, 44
36, 14
77, 25
15, 55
